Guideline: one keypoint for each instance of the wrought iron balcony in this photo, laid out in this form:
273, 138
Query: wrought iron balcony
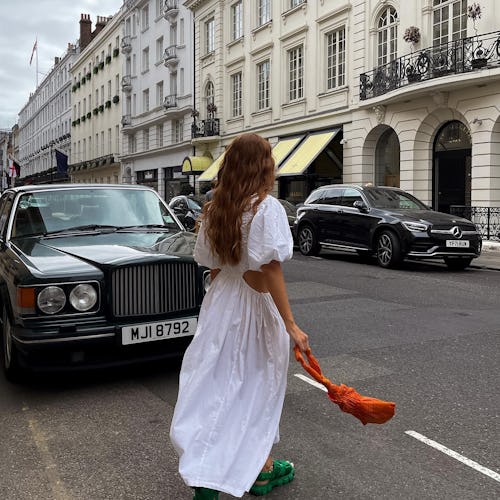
460, 56
170, 10
205, 128
126, 44
170, 101
127, 83
170, 58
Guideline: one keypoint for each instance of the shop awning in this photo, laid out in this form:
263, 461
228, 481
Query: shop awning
307, 152
211, 172
196, 164
283, 148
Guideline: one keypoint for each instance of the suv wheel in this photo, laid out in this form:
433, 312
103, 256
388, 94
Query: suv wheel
457, 263
388, 250
307, 241
10, 362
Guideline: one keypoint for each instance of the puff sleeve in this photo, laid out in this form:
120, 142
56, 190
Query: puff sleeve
202, 252
269, 237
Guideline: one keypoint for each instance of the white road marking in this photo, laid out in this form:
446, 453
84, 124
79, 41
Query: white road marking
467, 461
311, 381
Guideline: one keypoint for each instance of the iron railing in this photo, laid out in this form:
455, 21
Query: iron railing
487, 219
205, 128
459, 56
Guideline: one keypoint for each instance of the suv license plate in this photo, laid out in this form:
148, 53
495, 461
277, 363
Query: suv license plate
163, 330
457, 243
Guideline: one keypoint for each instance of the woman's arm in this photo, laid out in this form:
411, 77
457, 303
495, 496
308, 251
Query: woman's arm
275, 281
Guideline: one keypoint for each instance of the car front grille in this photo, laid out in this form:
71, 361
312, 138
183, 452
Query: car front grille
154, 289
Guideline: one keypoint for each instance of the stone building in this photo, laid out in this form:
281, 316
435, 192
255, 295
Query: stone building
382, 91
95, 100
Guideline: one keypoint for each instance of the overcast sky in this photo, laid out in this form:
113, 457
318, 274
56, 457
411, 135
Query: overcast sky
54, 23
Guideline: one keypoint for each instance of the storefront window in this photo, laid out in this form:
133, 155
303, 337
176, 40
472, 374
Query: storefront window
387, 160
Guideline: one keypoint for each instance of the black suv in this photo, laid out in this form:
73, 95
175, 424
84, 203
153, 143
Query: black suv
385, 222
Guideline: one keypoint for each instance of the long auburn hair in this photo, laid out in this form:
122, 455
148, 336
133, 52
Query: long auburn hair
247, 170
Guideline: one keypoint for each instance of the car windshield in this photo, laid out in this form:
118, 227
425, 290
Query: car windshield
62, 210
392, 199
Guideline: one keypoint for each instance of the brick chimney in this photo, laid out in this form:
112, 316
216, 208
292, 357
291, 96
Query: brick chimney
99, 25
85, 30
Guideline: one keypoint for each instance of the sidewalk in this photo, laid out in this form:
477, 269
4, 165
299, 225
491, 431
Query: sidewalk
490, 256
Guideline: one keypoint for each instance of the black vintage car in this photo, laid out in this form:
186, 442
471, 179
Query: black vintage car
388, 223
94, 275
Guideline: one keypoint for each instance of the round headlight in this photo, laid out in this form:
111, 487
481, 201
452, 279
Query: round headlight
83, 297
207, 280
51, 300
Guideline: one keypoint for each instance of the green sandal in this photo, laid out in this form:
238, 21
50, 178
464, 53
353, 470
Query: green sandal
281, 473
205, 494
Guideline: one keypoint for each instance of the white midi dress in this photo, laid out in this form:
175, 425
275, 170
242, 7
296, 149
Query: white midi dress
233, 376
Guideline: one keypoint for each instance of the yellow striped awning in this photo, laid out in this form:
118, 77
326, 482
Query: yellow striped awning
211, 172
283, 148
196, 164
306, 152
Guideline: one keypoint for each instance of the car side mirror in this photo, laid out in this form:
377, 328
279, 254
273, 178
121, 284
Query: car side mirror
360, 205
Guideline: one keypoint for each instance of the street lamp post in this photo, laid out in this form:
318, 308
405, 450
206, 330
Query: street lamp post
51, 144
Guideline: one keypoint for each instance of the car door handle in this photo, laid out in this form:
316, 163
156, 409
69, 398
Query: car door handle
340, 212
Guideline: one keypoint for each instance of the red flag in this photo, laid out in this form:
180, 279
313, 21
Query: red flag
12, 169
33, 51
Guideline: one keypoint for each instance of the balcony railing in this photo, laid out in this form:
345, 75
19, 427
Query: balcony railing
460, 56
170, 58
127, 83
170, 101
205, 128
170, 9
126, 44
487, 219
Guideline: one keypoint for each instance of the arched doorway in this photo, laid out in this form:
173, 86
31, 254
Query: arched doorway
387, 154
451, 172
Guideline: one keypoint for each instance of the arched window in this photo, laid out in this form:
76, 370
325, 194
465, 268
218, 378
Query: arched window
387, 160
209, 95
387, 36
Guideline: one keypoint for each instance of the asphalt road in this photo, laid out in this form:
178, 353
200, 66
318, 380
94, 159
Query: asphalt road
421, 336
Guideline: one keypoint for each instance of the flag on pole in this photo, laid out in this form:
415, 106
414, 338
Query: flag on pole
12, 169
62, 162
33, 51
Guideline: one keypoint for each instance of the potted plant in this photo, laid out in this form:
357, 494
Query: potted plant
116, 99
73, 88
89, 115
101, 108
479, 60
116, 51
101, 65
84, 117
108, 104
88, 75
412, 36
108, 59
95, 111
95, 70
84, 80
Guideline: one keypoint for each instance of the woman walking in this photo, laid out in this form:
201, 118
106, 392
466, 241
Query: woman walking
233, 377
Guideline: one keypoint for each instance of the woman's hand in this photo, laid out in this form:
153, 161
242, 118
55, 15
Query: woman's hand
300, 338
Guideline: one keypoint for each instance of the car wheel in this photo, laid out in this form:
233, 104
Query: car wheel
10, 361
388, 250
307, 241
457, 263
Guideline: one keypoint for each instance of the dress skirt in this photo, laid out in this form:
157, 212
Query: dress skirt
231, 388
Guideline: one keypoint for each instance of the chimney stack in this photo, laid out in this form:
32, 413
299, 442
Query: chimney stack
85, 30
99, 25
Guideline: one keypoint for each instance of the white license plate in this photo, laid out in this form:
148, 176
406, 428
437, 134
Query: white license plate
457, 243
163, 330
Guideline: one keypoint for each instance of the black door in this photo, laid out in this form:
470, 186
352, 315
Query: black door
452, 179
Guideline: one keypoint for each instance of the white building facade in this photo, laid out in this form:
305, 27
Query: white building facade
45, 121
96, 106
157, 87
343, 97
